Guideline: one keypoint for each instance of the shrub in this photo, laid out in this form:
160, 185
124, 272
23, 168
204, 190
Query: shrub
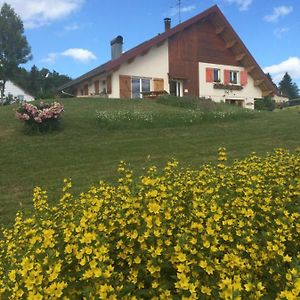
266, 103
219, 232
42, 118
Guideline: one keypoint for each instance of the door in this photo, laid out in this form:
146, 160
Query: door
176, 88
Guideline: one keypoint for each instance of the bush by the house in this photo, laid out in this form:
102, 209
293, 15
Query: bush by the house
219, 232
42, 117
267, 103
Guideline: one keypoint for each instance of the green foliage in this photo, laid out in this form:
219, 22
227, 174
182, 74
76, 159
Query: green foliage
40, 118
217, 231
14, 48
267, 103
288, 87
41, 83
86, 154
193, 103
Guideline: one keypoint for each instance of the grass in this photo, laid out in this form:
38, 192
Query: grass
87, 153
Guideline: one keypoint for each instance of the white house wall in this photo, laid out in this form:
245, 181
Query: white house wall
15, 91
154, 64
207, 90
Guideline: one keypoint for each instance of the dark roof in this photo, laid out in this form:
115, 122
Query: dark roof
160, 38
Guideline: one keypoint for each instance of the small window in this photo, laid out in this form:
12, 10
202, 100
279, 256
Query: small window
217, 77
20, 97
145, 85
233, 77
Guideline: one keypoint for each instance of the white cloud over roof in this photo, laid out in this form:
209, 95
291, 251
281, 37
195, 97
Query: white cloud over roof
279, 11
291, 65
78, 54
242, 4
37, 13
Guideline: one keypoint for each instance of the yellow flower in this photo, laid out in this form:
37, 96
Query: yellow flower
154, 207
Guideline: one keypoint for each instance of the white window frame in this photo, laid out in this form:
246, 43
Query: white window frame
218, 73
231, 76
141, 85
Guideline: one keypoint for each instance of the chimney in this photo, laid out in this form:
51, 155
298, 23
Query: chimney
116, 47
167, 24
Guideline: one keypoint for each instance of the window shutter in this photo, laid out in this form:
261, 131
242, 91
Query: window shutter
244, 78
86, 89
96, 84
158, 84
125, 86
209, 75
226, 76
108, 84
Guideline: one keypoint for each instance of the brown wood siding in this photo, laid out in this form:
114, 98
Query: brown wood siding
125, 86
108, 84
198, 43
96, 83
158, 84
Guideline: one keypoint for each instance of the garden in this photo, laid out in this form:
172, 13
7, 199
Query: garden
222, 231
201, 226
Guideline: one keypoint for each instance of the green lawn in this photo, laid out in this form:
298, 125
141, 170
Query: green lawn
86, 153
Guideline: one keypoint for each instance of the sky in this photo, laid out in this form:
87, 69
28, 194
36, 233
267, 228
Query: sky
73, 36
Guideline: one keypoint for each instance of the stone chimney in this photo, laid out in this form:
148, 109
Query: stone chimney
167, 24
116, 47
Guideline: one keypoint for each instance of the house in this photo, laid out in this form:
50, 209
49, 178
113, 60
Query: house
201, 57
15, 92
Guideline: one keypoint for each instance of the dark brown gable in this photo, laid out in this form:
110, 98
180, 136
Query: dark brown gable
198, 43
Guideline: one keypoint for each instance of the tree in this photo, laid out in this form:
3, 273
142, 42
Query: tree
33, 81
14, 48
271, 79
288, 87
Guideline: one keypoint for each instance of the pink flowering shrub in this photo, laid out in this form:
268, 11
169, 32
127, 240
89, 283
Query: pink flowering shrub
42, 117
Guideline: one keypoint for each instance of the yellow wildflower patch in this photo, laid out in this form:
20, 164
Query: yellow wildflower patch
224, 231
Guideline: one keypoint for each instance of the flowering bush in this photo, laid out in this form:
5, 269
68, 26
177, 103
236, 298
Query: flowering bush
219, 232
41, 117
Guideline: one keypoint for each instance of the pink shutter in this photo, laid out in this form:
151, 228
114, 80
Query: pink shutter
226, 76
209, 75
244, 78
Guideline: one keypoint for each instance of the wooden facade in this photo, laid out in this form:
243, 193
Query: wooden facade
197, 43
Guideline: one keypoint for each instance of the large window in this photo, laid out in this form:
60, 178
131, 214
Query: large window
233, 77
138, 86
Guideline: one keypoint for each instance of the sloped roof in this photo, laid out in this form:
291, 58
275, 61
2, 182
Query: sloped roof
223, 28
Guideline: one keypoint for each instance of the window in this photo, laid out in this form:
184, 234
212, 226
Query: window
233, 77
216, 74
175, 88
139, 85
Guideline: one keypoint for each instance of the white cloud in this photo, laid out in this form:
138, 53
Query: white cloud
291, 65
278, 12
71, 27
185, 9
242, 4
37, 13
78, 54
279, 32
51, 58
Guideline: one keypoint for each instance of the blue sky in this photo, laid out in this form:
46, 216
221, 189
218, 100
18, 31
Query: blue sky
73, 36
